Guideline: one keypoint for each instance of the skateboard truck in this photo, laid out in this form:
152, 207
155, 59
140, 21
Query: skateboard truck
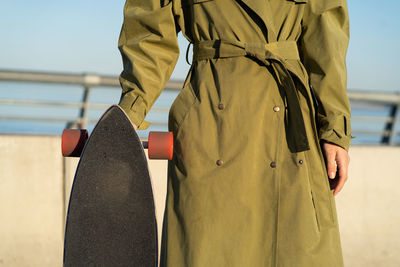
159, 144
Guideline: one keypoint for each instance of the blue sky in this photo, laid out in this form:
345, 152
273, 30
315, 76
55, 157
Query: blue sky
81, 36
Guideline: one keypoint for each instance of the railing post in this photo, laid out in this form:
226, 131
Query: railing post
83, 114
388, 139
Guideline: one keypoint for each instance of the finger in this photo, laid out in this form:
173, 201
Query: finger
343, 172
330, 163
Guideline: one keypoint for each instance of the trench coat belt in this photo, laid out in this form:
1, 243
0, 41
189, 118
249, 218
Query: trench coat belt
272, 55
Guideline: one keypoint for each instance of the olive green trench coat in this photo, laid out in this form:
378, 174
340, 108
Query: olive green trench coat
247, 185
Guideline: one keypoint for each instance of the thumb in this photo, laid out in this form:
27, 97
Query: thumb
331, 163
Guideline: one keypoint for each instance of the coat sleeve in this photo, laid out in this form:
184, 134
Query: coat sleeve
323, 48
149, 48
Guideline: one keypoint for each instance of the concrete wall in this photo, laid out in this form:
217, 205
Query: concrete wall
368, 209
31, 213
35, 182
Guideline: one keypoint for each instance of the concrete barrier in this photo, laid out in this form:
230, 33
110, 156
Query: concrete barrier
31, 186
35, 182
368, 210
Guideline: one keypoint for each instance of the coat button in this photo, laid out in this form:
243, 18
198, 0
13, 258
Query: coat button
272, 164
221, 106
220, 162
301, 161
276, 108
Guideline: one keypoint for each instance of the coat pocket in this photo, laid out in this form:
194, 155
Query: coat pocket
315, 210
199, 1
181, 106
298, 1
191, 3
321, 196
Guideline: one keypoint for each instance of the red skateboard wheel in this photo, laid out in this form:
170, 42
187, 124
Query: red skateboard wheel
73, 142
160, 145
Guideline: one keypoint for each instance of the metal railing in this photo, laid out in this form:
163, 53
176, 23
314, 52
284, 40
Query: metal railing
387, 133
87, 81
392, 101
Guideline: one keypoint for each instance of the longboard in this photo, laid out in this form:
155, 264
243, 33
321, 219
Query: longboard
111, 217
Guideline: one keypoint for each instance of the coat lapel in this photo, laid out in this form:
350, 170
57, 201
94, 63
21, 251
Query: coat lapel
263, 9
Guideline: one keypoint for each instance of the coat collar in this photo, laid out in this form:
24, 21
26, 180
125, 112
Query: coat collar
263, 10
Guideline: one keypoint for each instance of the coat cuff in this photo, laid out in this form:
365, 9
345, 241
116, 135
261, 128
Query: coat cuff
337, 130
135, 108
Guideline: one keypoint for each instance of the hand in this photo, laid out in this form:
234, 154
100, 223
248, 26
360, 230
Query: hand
337, 162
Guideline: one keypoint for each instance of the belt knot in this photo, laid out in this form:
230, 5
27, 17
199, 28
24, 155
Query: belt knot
273, 54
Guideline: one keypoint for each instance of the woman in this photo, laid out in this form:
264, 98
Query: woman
248, 184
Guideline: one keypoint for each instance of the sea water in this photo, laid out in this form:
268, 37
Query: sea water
28, 119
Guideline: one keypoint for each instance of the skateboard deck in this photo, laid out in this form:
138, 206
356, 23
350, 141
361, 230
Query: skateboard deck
111, 216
